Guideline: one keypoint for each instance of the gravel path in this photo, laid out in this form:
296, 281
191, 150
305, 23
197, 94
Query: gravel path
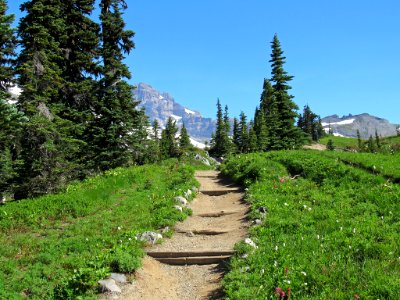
161, 281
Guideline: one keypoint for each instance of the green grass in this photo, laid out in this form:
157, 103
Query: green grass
59, 246
387, 165
331, 233
340, 142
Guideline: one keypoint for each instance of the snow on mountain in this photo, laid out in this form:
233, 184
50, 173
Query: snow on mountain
160, 105
190, 112
347, 126
344, 122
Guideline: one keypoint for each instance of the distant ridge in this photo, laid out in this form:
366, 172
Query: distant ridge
161, 105
367, 124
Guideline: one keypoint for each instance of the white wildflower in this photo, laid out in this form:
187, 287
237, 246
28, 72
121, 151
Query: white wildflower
276, 248
354, 230
304, 273
317, 236
287, 281
286, 204
276, 263
119, 228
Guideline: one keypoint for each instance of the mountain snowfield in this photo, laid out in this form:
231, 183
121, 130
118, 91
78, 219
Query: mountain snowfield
347, 126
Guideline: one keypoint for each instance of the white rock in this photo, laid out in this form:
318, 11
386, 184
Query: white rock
149, 237
250, 242
120, 278
109, 285
188, 193
181, 200
178, 207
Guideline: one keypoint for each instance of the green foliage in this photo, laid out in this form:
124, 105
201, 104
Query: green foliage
169, 143
330, 145
330, 233
310, 124
61, 245
221, 144
184, 139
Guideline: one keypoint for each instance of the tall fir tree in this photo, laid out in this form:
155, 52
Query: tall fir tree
184, 139
310, 124
288, 133
221, 143
10, 118
359, 141
169, 144
115, 128
49, 147
236, 134
244, 138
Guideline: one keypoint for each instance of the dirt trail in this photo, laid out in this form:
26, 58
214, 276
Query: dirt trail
218, 210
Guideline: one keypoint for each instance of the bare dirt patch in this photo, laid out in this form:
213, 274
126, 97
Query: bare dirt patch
223, 214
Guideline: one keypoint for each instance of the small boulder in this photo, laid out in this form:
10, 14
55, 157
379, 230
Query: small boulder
257, 222
109, 286
181, 200
195, 189
120, 278
149, 237
188, 193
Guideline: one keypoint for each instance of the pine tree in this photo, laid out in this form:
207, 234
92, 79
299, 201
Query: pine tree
10, 118
221, 143
289, 134
244, 138
168, 143
330, 146
371, 144
115, 130
360, 144
236, 134
55, 66
184, 139
253, 145
377, 140
310, 124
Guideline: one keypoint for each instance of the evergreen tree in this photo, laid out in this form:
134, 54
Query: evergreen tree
221, 143
377, 140
289, 134
371, 144
168, 143
244, 138
360, 145
115, 131
55, 66
330, 146
10, 119
184, 139
236, 134
310, 124
253, 145
263, 134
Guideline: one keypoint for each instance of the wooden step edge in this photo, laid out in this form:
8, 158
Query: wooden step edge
202, 232
219, 192
206, 253
201, 260
216, 214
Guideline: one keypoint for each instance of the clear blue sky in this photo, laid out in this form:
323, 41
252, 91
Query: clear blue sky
345, 55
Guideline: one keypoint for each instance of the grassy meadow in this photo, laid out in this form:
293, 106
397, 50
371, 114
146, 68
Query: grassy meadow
331, 231
59, 246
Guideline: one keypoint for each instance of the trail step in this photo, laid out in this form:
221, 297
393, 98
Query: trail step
182, 254
217, 214
191, 257
203, 232
219, 192
206, 260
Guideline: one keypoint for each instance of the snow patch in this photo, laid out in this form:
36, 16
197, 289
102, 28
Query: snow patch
189, 112
344, 122
160, 97
338, 134
176, 118
197, 144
